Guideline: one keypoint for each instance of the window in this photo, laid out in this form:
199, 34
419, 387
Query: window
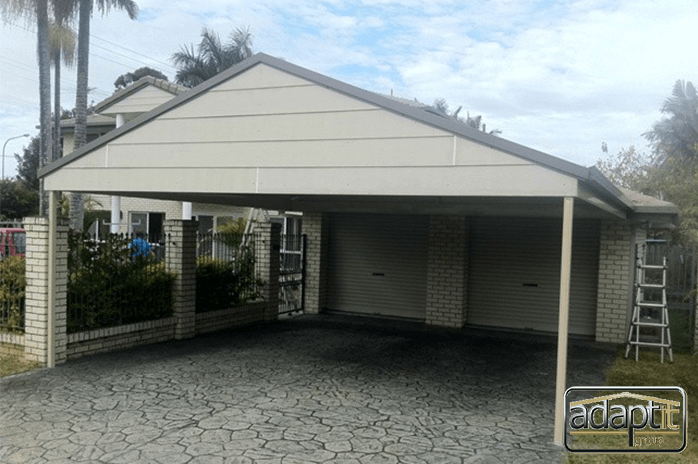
148, 224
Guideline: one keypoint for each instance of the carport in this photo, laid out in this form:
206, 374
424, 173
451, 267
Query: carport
408, 213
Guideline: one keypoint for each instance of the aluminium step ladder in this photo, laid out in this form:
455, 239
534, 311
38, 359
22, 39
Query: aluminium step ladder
649, 326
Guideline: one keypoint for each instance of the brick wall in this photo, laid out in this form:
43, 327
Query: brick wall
181, 259
251, 313
614, 298
184, 323
316, 229
36, 331
12, 344
121, 337
172, 209
447, 271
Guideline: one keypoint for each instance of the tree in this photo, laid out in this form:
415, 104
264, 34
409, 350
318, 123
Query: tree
677, 134
670, 172
128, 78
441, 107
37, 10
211, 56
629, 168
62, 43
85, 8
17, 200
28, 165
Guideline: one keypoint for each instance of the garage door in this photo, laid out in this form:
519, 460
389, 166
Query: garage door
514, 278
377, 264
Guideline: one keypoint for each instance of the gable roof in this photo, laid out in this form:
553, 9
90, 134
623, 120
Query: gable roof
591, 177
174, 89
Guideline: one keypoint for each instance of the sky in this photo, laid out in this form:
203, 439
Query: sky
561, 77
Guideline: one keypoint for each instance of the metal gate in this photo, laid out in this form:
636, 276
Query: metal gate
292, 274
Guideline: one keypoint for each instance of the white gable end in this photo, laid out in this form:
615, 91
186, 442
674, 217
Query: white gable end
274, 132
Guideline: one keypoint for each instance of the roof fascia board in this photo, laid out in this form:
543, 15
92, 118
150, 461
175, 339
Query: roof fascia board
586, 194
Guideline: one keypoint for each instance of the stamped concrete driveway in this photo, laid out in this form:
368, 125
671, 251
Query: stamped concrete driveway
315, 389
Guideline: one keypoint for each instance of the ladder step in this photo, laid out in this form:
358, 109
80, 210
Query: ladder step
660, 345
657, 267
657, 286
650, 324
649, 305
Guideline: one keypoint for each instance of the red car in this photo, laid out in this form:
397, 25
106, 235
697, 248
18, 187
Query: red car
13, 242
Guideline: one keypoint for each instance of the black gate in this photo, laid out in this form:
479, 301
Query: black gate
680, 290
292, 274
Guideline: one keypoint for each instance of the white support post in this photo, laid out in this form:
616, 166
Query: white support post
115, 221
563, 321
186, 211
115, 227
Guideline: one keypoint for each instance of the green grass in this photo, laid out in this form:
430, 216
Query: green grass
11, 364
648, 371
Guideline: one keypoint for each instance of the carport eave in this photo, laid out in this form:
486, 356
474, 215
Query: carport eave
504, 206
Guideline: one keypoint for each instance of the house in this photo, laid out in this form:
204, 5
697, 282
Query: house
138, 215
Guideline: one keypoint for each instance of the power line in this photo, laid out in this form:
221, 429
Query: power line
135, 53
172, 69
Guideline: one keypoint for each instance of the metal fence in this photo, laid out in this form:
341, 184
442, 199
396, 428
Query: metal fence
226, 270
292, 274
12, 294
117, 280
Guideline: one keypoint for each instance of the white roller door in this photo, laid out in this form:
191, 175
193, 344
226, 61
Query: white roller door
514, 278
378, 264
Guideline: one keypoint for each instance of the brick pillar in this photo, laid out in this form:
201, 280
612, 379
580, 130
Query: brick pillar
267, 255
447, 271
614, 297
181, 259
316, 229
62, 275
36, 321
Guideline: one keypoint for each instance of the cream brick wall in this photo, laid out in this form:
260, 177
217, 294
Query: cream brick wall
316, 229
181, 259
251, 313
36, 325
447, 271
11, 343
171, 209
614, 298
119, 338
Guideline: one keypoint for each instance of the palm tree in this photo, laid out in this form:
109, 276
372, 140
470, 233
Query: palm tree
37, 10
440, 106
62, 44
211, 56
677, 135
85, 8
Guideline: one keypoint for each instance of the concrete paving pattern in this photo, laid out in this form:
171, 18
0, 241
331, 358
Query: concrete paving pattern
314, 389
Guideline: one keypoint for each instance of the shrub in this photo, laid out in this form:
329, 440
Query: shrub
13, 284
109, 285
222, 284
